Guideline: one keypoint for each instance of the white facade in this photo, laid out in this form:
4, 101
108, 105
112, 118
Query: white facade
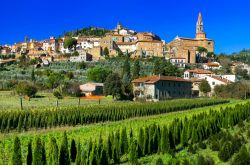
231, 78
179, 62
196, 73
124, 47
216, 80
213, 66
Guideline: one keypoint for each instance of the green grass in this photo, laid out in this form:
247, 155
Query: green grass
8, 100
93, 131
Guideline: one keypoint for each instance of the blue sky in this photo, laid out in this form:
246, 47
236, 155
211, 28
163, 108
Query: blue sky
226, 21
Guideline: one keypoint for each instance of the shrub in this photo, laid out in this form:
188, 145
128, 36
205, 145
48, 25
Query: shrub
159, 162
241, 158
202, 145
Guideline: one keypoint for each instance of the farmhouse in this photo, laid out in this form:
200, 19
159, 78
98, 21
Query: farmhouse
92, 89
161, 87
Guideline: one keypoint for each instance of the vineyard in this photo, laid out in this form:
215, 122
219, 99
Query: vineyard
53, 117
122, 144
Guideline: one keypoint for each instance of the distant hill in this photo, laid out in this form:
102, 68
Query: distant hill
88, 31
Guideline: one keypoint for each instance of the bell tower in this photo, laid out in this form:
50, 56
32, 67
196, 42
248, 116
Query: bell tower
199, 28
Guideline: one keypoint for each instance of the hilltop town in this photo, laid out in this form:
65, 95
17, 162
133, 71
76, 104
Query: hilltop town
98, 97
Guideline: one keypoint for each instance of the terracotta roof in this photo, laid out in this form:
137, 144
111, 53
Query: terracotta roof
177, 58
154, 41
125, 43
154, 79
212, 64
199, 71
219, 78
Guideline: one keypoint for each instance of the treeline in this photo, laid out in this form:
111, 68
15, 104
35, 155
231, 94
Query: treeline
88, 31
128, 145
38, 119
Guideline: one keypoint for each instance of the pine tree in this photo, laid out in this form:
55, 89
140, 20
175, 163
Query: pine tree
124, 141
64, 152
39, 157
17, 153
53, 152
29, 155
73, 150
136, 69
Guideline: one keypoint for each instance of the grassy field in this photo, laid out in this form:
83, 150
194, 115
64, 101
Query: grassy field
8, 100
93, 131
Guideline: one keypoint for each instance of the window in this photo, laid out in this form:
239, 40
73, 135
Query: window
213, 83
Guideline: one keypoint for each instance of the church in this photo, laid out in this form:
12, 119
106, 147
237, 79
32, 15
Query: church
186, 48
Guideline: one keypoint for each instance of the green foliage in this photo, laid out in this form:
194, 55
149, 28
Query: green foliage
204, 87
226, 151
64, 152
113, 86
25, 88
17, 153
70, 43
81, 65
54, 80
241, 158
238, 90
73, 150
106, 52
163, 67
132, 152
98, 74
136, 69
104, 157
53, 152
99, 113
87, 31
39, 157
29, 155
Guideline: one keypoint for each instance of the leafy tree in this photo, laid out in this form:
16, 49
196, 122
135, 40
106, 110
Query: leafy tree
25, 88
70, 43
54, 80
39, 157
113, 86
205, 87
64, 152
98, 74
17, 153
73, 150
29, 155
106, 52
136, 69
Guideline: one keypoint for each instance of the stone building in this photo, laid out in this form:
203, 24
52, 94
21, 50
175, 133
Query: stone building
186, 48
161, 87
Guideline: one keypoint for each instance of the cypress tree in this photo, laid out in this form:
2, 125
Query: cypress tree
73, 150
164, 140
64, 152
78, 154
104, 157
136, 69
39, 157
29, 155
132, 152
53, 152
17, 153
124, 141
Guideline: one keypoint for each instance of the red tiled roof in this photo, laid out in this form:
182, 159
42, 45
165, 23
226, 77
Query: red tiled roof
199, 71
212, 64
154, 79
